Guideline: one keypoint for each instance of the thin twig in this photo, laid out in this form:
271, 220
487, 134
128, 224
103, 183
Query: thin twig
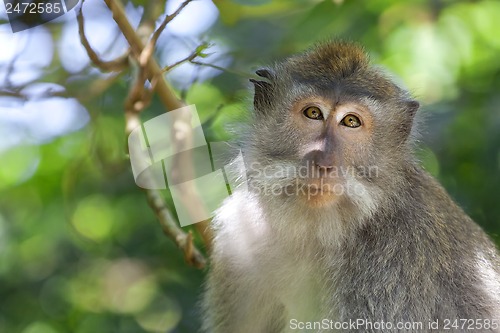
189, 58
115, 65
148, 50
16, 93
210, 65
228, 70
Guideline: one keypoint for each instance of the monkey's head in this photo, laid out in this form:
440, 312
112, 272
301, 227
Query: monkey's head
327, 124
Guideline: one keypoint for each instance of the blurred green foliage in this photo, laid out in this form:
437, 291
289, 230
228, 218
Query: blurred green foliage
81, 251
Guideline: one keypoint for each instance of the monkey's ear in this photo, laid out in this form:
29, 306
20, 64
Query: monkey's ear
263, 87
412, 107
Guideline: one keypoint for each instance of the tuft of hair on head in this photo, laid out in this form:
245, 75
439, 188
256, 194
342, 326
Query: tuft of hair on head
340, 59
345, 64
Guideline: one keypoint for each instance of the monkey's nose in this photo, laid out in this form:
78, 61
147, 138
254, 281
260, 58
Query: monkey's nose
323, 160
320, 162
325, 164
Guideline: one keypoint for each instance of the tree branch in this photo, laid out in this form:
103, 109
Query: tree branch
163, 90
148, 50
184, 241
115, 65
150, 69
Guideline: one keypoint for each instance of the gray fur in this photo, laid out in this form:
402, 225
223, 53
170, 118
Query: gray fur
401, 251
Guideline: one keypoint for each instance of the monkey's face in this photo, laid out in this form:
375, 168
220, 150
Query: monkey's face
323, 142
330, 139
319, 149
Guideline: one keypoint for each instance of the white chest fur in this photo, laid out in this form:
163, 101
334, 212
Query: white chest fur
299, 290
270, 258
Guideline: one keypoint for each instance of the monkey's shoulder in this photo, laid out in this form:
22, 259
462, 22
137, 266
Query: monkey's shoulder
424, 219
240, 223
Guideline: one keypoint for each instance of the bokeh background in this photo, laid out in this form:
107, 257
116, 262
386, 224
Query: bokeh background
81, 251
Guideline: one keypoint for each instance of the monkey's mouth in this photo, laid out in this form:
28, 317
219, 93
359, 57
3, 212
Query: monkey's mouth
322, 187
313, 189
323, 190
322, 184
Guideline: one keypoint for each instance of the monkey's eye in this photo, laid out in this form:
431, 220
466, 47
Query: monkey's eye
313, 112
351, 121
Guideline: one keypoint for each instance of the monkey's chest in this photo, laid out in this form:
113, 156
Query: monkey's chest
297, 286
